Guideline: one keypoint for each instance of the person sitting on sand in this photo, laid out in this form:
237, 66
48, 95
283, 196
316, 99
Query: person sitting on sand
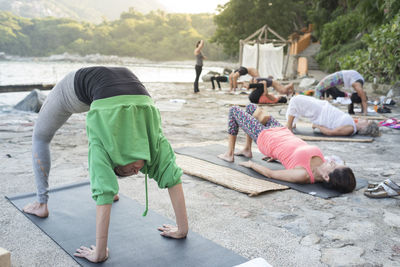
304, 163
125, 136
233, 77
327, 118
350, 79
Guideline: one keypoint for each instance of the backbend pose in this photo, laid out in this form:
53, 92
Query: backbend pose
219, 79
329, 119
261, 96
304, 163
233, 77
125, 137
350, 79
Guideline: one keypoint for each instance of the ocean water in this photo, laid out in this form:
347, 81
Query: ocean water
33, 71
49, 70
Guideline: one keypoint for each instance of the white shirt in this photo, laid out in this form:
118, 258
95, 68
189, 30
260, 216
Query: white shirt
350, 77
319, 112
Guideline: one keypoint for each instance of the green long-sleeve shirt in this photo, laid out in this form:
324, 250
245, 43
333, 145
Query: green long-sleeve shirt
123, 129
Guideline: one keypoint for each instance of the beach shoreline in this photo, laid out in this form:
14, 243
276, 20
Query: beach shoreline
287, 228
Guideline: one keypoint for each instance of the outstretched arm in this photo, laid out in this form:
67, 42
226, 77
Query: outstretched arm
291, 175
178, 203
339, 131
99, 252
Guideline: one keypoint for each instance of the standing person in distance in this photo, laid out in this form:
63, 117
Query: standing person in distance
199, 63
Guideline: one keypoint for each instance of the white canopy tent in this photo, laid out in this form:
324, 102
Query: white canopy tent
266, 55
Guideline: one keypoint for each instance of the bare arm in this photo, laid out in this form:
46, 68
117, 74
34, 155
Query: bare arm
339, 131
289, 123
234, 80
361, 93
99, 252
178, 203
198, 49
292, 175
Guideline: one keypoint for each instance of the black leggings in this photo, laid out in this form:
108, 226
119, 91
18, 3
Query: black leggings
196, 81
257, 93
218, 79
334, 92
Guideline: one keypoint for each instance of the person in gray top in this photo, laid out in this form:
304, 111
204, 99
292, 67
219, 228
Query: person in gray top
199, 63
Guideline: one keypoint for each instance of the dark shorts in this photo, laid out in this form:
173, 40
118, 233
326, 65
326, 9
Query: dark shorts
242, 71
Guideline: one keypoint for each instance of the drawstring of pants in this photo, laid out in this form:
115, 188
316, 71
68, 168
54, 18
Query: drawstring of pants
147, 199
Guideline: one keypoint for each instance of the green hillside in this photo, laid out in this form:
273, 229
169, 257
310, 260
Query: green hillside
83, 10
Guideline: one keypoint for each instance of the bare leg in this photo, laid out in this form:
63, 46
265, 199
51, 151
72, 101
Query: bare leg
288, 89
246, 151
229, 155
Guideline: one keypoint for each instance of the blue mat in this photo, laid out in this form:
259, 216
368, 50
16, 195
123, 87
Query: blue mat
133, 240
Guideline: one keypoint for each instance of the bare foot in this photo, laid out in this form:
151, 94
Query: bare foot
246, 153
226, 157
38, 209
116, 198
289, 89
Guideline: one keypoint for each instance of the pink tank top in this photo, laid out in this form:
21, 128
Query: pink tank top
280, 143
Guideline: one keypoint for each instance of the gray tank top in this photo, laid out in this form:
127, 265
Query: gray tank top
199, 59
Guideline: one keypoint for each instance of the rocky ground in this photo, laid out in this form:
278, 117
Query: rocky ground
287, 228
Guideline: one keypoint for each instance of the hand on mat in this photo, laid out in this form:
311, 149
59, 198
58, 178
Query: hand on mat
171, 231
246, 164
90, 254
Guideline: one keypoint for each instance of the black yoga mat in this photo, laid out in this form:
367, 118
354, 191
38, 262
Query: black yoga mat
308, 131
133, 240
209, 153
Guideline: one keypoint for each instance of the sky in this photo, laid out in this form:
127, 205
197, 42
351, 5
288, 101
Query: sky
192, 6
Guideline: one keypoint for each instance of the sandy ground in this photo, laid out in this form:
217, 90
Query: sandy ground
287, 228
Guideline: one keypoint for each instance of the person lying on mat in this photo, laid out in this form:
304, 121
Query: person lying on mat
350, 79
304, 163
327, 118
260, 94
234, 76
280, 88
125, 136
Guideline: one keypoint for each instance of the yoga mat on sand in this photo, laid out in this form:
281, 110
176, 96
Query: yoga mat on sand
308, 134
209, 153
133, 240
225, 176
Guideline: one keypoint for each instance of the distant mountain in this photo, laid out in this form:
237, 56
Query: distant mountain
88, 10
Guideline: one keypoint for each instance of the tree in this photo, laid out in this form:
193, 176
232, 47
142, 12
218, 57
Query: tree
237, 19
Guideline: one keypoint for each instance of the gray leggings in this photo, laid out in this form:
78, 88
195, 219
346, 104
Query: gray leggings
59, 105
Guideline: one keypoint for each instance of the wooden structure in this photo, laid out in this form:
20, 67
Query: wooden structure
261, 37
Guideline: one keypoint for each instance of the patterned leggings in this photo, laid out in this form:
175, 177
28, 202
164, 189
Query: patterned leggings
328, 82
245, 120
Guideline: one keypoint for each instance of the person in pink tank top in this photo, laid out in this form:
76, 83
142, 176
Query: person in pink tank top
304, 163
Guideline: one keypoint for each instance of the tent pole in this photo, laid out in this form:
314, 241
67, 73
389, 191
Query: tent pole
241, 52
258, 54
287, 61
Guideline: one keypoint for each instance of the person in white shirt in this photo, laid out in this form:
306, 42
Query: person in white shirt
351, 80
327, 118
